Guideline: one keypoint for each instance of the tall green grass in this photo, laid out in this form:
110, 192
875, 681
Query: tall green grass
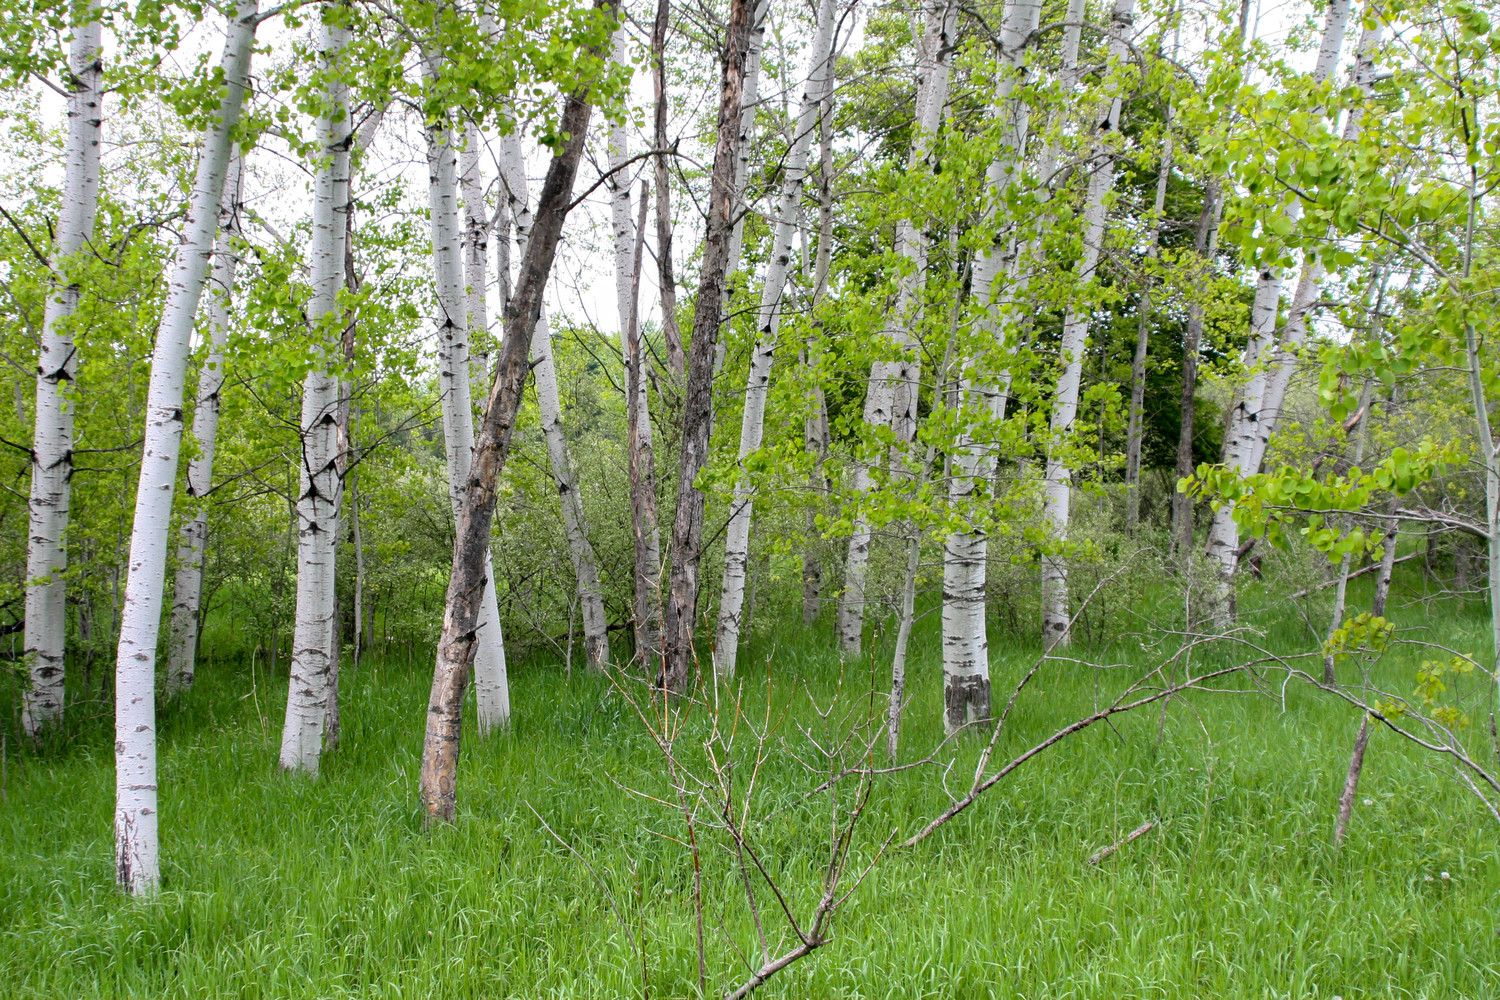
277, 887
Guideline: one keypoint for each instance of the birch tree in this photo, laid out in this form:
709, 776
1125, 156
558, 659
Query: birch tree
491, 681
1057, 488
187, 590
1250, 412
467, 578
549, 402
57, 362
890, 400
768, 323
137, 854
640, 454
966, 666
698, 407
320, 489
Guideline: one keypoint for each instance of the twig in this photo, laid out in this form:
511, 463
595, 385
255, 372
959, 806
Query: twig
1138, 832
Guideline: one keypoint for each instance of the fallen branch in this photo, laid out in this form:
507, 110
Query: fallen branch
1138, 832
1359, 572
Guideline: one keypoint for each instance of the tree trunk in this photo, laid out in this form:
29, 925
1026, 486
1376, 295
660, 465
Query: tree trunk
57, 362
549, 402
469, 576
1341, 589
768, 324
1387, 565
698, 408
1204, 241
1058, 486
891, 399
666, 279
187, 591
1351, 781
966, 658
815, 428
137, 857
319, 487
903, 637
491, 683
629, 247
1254, 409
1143, 337
749, 105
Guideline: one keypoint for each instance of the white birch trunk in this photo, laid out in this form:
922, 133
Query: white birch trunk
575, 525
639, 438
137, 852
749, 105
1241, 448
890, 399
491, 682
966, 661
476, 243
57, 361
1057, 489
768, 323
187, 591
319, 487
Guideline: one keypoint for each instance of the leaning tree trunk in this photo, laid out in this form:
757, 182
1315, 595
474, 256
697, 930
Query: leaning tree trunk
471, 546
1341, 588
641, 457
491, 683
137, 853
890, 400
1251, 410
666, 279
1057, 489
698, 407
57, 361
187, 591
549, 402
966, 658
749, 105
320, 489
768, 324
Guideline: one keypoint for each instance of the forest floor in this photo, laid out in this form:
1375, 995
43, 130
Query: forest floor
280, 887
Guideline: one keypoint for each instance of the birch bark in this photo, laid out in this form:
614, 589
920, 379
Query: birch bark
966, 661
187, 590
137, 852
549, 402
768, 324
641, 458
890, 400
749, 105
467, 580
1057, 488
491, 683
320, 489
698, 412
57, 360
1240, 439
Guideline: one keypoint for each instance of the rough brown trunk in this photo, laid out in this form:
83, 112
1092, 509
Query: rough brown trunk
1351, 781
642, 463
466, 583
676, 357
698, 406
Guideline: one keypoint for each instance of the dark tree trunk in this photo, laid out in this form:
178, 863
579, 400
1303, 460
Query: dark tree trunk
455, 651
676, 358
698, 407
642, 461
1182, 504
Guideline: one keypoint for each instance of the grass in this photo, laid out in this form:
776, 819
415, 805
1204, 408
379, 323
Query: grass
278, 887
